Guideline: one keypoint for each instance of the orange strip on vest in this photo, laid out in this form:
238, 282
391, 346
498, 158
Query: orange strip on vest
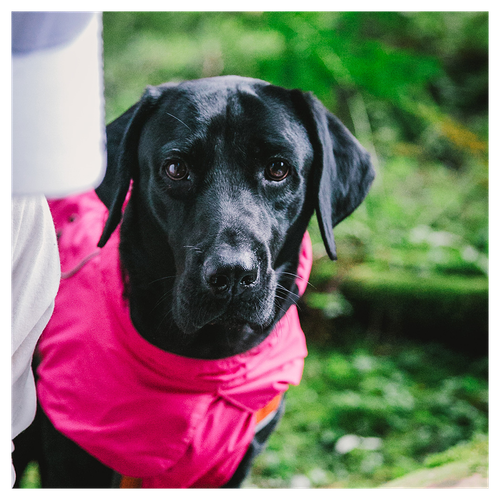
269, 408
130, 482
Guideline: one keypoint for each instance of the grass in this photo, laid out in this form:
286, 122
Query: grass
31, 476
373, 413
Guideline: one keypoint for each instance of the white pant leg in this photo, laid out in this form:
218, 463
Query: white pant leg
35, 281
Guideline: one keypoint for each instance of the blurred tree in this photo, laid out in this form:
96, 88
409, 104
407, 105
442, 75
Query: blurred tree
398, 74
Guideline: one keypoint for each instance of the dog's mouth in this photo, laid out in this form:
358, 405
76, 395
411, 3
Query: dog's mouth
228, 323
229, 320
255, 312
231, 335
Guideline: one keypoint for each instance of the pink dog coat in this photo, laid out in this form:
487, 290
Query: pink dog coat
170, 420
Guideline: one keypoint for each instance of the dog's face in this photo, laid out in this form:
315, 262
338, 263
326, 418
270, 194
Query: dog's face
226, 175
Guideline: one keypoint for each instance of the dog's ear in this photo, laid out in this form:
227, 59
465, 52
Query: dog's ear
123, 136
342, 169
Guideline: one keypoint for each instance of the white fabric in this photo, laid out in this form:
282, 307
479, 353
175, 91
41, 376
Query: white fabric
58, 117
35, 280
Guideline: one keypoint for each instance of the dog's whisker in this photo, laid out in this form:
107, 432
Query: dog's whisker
281, 287
294, 301
294, 275
191, 247
162, 320
280, 308
161, 279
178, 119
162, 298
298, 277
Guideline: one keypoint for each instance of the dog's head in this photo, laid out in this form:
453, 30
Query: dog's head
226, 174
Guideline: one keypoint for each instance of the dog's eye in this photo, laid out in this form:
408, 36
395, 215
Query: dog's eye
277, 170
175, 169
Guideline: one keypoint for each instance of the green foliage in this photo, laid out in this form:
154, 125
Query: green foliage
31, 477
424, 217
371, 414
388, 58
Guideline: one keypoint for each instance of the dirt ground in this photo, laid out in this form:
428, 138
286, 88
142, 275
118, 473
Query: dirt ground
454, 475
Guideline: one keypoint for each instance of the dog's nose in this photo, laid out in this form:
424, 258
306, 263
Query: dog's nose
230, 276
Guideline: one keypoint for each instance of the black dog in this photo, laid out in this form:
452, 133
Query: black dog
226, 173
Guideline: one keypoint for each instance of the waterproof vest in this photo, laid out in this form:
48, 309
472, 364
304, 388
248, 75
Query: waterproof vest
170, 420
